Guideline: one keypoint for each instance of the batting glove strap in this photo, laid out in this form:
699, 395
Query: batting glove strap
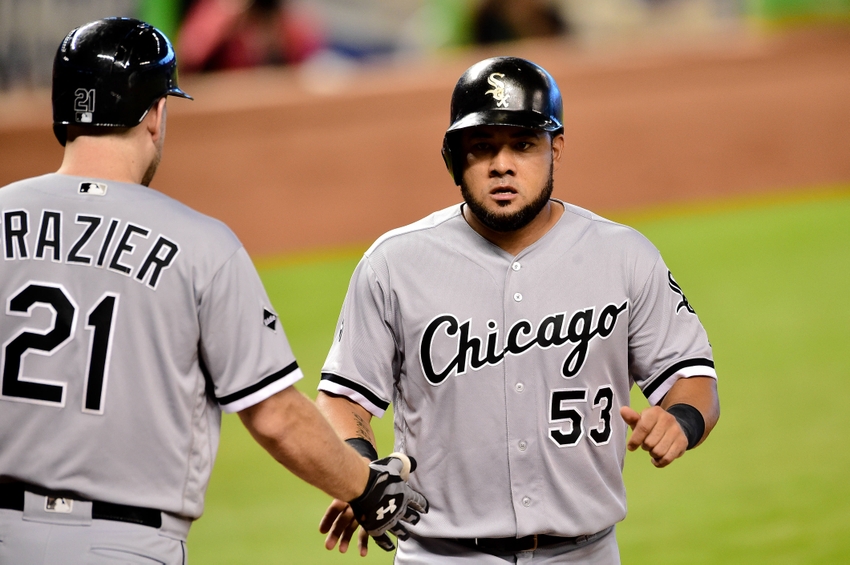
691, 421
363, 447
386, 502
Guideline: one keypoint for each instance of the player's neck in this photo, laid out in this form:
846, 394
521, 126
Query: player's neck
514, 242
103, 158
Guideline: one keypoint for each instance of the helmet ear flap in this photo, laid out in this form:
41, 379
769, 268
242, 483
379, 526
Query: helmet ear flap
449, 158
61, 133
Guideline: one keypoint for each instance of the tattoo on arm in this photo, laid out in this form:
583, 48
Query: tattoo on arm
362, 428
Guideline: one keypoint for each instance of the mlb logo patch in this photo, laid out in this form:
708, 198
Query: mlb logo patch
270, 320
59, 505
94, 188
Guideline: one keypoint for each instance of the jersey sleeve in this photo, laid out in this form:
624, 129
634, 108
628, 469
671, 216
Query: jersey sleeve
243, 346
666, 338
363, 359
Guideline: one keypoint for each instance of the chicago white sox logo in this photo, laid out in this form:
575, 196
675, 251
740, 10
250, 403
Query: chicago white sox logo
498, 90
674, 286
391, 507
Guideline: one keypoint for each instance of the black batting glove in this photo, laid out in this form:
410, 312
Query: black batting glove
388, 500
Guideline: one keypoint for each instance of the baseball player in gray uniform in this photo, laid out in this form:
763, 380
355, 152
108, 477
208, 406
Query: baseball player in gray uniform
507, 332
130, 323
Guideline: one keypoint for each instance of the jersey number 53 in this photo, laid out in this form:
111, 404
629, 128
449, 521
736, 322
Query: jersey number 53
564, 407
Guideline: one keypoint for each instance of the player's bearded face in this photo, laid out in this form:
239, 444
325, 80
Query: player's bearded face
508, 221
508, 174
157, 157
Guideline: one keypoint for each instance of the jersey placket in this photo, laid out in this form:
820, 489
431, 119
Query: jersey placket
522, 388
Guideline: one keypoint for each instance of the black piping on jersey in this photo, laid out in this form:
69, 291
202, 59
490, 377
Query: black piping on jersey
224, 400
368, 394
672, 369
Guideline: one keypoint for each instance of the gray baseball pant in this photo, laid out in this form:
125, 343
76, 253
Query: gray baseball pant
37, 536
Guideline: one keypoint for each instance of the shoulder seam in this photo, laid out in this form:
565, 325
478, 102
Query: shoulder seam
206, 285
429, 222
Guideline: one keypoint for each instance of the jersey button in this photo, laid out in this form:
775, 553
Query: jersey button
516, 266
518, 297
523, 445
526, 501
520, 387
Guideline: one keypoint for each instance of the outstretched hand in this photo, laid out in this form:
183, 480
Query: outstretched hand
385, 505
656, 431
339, 523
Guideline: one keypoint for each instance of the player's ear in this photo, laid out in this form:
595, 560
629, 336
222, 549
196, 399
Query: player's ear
557, 150
154, 121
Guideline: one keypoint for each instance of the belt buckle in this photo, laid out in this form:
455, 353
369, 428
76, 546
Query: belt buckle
534, 537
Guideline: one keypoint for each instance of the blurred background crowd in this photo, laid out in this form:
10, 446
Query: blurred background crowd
215, 35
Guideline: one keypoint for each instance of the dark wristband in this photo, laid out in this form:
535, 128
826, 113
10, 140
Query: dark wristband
363, 447
691, 420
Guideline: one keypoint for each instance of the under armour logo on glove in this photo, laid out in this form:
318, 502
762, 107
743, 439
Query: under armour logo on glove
388, 500
391, 507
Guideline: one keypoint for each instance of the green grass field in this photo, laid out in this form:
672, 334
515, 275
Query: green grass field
772, 485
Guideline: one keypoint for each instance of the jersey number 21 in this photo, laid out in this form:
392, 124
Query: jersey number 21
99, 322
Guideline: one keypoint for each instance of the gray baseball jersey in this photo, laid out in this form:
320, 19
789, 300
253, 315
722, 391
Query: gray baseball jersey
131, 321
507, 373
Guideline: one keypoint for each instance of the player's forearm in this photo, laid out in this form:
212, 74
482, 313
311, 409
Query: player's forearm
293, 431
699, 392
349, 419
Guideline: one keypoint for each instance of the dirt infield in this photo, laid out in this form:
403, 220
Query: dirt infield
316, 159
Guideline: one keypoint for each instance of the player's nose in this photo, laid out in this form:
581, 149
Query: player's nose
502, 162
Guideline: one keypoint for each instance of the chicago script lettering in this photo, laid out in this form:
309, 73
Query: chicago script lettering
470, 351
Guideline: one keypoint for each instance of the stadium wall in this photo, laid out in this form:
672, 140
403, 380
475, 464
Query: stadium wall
329, 155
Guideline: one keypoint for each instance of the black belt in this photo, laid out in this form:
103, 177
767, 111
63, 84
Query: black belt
12, 498
506, 546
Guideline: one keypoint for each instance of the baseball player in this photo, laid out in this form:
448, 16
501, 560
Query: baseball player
507, 332
130, 323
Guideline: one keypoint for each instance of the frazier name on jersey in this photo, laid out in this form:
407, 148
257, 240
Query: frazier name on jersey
91, 243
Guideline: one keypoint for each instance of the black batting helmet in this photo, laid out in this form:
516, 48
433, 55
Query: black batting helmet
109, 73
502, 91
